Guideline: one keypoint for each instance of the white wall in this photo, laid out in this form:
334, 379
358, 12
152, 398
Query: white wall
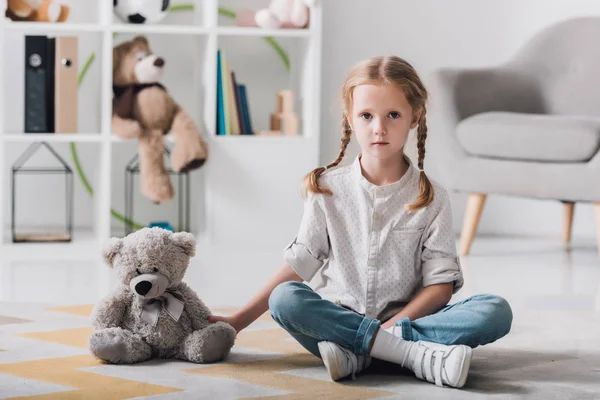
438, 33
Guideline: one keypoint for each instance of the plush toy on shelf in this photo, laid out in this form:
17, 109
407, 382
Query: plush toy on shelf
141, 11
144, 110
284, 14
151, 312
36, 11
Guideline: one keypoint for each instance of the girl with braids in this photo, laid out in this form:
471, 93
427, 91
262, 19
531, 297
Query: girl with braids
378, 234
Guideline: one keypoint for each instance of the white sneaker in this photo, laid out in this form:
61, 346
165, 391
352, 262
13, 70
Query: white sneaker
341, 362
438, 363
441, 364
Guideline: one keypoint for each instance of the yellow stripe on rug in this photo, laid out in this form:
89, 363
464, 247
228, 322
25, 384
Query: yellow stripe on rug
82, 310
87, 385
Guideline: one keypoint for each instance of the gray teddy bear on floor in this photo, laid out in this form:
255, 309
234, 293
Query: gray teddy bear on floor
152, 313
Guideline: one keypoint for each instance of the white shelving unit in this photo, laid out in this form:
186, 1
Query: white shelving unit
247, 179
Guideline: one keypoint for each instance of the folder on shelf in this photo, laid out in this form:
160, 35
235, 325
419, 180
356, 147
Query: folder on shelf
39, 85
65, 84
51, 84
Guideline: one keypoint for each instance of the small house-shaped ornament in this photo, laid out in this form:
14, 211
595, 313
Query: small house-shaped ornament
20, 168
182, 193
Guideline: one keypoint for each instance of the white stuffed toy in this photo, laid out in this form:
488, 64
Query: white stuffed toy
284, 14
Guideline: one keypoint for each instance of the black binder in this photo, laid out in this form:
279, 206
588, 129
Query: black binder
39, 84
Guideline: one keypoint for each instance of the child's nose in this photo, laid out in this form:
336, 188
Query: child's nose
378, 126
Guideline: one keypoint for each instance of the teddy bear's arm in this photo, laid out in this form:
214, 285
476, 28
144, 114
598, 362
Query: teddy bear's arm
195, 307
109, 312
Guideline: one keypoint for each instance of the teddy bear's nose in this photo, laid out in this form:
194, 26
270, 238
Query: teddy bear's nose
159, 62
143, 287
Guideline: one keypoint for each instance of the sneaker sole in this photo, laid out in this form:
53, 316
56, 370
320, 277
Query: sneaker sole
464, 368
331, 359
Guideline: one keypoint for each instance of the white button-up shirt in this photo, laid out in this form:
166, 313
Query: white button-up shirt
374, 256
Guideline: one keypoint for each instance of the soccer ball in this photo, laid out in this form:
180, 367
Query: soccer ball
141, 11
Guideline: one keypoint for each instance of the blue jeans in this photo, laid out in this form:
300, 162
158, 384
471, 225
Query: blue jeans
478, 320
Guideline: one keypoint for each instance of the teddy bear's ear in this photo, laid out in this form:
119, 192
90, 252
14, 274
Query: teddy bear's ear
186, 241
141, 40
111, 249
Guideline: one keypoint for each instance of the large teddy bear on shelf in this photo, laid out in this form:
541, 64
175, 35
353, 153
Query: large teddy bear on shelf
36, 11
144, 110
152, 313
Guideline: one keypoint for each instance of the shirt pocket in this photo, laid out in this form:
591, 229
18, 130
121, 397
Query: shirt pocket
407, 243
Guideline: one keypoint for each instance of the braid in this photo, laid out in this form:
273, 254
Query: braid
311, 180
425, 187
421, 138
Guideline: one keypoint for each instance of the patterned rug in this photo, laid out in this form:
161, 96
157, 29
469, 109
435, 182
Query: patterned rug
44, 356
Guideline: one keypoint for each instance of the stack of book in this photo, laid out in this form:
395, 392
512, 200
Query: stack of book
233, 112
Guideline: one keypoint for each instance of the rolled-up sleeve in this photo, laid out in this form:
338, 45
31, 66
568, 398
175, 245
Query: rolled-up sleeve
440, 263
310, 248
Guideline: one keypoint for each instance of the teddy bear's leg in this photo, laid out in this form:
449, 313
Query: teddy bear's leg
266, 19
64, 13
299, 14
190, 151
154, 180
119, 346
126, 128
19, 8
49, 11
209, 344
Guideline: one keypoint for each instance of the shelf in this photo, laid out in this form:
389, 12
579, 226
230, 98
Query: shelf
266, 138
240, 31
52, 137
151, 28
41, 27
157, 28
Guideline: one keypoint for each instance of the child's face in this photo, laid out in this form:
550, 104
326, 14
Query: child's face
381, 119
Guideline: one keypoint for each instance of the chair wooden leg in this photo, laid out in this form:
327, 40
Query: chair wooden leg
568, 211
473, 213
597, 212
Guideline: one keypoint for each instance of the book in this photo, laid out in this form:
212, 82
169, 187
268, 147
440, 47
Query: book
233, 115
235, 126
221, 128
238, 105
246, 108
226, 103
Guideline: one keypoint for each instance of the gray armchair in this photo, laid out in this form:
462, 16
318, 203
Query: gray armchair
529, 128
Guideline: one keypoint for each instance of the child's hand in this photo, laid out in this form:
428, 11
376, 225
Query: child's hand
231, 320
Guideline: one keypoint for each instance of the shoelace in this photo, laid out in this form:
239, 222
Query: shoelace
352, 362
431, 365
